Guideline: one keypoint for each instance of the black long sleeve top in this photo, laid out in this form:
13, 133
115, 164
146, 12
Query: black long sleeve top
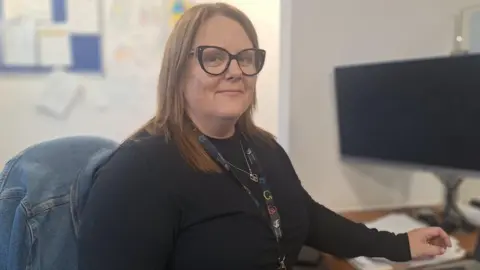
149, 210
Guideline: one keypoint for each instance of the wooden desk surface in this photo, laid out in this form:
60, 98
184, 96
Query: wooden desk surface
467, 241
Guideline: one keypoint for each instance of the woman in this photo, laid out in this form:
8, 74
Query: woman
194, 188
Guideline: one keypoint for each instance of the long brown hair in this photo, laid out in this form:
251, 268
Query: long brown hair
171, 119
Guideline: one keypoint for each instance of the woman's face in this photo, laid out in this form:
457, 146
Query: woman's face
228, 94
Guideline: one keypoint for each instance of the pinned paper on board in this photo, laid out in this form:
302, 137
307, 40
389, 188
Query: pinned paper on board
121, 14
33, 9
36, 9
178, 7
84, 16
19, 42
55, 47
13, 10
151, 15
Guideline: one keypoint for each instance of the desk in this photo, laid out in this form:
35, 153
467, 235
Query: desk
467, 241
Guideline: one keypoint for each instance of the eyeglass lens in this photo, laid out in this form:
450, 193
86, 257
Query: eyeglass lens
216, 60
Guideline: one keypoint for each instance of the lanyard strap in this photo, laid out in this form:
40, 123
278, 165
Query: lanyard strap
272, 210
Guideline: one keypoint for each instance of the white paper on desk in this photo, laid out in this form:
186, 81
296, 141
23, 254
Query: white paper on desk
19, 42
61, 93
396, 223
54, 47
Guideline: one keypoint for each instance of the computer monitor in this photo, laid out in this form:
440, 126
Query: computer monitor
422, 113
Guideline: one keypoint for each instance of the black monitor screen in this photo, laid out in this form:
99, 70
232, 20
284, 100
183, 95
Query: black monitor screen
423, 112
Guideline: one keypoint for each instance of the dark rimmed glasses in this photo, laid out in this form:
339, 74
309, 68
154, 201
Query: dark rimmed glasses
216, 60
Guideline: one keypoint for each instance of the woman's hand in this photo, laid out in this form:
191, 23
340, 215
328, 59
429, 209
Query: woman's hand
427, 243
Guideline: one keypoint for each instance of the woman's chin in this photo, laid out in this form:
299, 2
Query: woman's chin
230, 114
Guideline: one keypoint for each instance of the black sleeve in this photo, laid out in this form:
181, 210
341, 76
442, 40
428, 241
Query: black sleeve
119, 229
339, 236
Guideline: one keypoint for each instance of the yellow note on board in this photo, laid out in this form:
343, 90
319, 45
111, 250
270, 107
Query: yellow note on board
178, 7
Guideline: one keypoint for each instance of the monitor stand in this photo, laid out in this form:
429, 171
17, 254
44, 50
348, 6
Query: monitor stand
452, 219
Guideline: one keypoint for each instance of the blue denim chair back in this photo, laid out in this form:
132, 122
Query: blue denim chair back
42, 192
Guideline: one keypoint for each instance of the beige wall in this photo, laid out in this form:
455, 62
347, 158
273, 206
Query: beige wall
325, 33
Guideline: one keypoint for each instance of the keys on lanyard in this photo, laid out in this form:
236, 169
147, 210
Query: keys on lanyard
272, 210
281, 263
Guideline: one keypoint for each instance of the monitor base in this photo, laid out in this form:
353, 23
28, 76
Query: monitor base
452, 219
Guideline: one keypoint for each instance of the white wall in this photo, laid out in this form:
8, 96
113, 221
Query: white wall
326, 33
130, 104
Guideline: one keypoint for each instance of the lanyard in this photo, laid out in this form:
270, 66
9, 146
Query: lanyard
272, 210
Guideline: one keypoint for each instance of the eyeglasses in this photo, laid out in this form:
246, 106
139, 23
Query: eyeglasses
216, 60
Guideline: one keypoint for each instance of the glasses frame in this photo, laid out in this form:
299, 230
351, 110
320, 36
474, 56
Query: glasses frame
198, 51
